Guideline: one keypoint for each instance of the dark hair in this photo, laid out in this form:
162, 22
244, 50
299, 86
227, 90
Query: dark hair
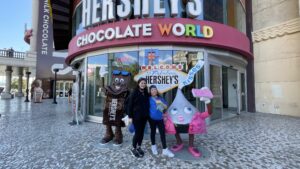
141, 79
138, 82
153, 87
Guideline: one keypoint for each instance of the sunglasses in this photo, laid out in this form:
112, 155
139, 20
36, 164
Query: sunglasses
122, 72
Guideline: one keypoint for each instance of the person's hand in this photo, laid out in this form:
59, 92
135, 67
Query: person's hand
127, 120
160, 107
165, 116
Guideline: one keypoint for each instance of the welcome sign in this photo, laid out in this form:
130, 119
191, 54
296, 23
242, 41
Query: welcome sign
164, 79
167, 76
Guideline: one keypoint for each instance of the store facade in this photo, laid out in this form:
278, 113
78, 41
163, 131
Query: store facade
166, 36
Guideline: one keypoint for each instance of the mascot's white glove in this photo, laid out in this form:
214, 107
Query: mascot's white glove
126, 120
204, 94
205, 100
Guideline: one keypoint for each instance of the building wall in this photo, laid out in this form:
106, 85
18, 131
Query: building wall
276, 39
272, 12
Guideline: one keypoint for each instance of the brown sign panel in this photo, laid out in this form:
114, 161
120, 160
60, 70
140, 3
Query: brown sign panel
45, 48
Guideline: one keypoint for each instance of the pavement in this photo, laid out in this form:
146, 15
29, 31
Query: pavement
37, 135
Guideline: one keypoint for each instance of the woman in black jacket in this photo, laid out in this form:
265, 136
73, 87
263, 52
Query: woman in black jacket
138, 114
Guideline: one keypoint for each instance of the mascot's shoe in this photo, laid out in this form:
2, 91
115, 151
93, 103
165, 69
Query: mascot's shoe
177, 147
118, 142
194, 151
107, 139
109, 135
118, 137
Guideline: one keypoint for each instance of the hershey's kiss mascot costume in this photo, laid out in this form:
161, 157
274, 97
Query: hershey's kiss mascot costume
183, 117
116, 94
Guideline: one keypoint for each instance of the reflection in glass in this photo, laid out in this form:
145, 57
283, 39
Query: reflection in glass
77, 21
215, 10
127, 61
97, 78
155, 57
189, 59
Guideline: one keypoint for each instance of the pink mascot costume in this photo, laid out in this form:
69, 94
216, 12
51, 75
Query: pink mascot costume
183, 117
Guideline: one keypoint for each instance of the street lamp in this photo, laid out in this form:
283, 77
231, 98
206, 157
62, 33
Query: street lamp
27, 90
54, 89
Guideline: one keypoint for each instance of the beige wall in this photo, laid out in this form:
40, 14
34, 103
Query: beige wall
272, 12
276, 39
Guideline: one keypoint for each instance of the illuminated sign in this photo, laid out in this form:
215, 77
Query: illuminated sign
166, 76
97, 12
164, 79
222, 36
145, 30
161, 67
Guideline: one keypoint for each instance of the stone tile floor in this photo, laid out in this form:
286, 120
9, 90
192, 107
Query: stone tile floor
39, 136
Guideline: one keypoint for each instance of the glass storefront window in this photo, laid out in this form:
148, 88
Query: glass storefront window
215, 10
99, 70
77, 19
97, 78
154, 57
189, 59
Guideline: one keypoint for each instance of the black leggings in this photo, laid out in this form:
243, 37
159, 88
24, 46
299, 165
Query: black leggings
139, 126
161, 127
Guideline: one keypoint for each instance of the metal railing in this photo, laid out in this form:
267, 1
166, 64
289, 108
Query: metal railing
12, 54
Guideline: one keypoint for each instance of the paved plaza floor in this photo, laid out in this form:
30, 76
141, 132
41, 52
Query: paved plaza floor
39, 136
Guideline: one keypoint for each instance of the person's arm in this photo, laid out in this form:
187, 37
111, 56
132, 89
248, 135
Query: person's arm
165, 103
130, 105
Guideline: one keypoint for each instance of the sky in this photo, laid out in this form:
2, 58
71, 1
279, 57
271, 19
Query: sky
14, 14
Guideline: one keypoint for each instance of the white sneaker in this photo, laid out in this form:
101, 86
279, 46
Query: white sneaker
154, 149
167, 152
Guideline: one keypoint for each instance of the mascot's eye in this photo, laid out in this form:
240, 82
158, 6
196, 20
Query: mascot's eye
187, 110
116, 80
121, 80
174, 111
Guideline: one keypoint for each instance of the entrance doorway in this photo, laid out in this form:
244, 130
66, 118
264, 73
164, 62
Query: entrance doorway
62, 88
230, 92
228, 86
242, 92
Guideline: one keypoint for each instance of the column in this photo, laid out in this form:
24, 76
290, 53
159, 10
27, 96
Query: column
20, 83
250, 65
6, 94
35, 19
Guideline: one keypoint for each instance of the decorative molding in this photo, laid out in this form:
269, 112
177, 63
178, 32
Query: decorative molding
289, 27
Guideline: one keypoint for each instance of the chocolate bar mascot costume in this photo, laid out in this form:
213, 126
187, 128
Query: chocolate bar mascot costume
116, 94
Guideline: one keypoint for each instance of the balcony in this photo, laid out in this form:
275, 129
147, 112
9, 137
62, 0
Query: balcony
17, 59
